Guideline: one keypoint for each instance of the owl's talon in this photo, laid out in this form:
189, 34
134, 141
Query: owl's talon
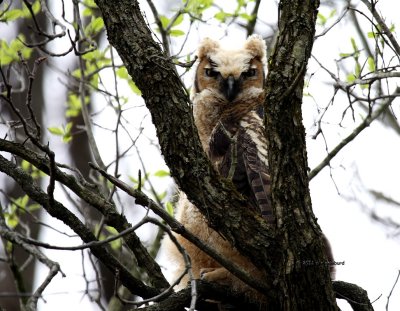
204, 271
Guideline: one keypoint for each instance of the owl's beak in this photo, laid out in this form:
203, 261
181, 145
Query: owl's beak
230, 88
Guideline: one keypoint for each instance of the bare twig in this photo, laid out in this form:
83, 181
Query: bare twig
391, 291
326, 30
54, 267
60, 212
382, 24
163, 32
252, 22
177, 227
367, 121
95, 199
169, 290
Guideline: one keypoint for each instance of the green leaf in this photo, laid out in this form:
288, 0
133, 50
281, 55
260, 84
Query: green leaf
164, 21
350, 78
97, 24
111, 230
134, 88
169, 208
197, 7
354, 44
221, 16
87, 12
56, 131
357, 70
371, 64
321, 19
176, 33
116, 244
64, 131
12, 15
68, 127
178, 20
343, 55
36, 7
9, 52
246, 16
9, 247
25, 165
90, 3
21, 201
161, 196
33, 207
122, 73
161, 173
74, 106
12, 220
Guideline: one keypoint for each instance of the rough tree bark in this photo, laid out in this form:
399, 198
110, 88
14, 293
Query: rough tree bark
305, 264
280, 253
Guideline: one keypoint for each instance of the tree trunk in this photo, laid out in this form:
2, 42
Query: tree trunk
300, 236
291, 255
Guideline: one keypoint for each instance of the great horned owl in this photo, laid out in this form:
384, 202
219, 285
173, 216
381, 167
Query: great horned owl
227, 91
227, 94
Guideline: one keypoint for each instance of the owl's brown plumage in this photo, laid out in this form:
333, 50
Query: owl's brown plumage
227, 92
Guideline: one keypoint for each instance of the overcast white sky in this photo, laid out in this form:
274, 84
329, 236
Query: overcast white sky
371, 256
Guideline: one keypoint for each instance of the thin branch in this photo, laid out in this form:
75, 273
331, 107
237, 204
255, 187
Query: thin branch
326, 30
163, 32
82, 95
361, 33
353, 294
382, 24
60, 212
367, 121
177, 227
169, 290
252, 22
391, 291
210, 295
54, 267
91, 243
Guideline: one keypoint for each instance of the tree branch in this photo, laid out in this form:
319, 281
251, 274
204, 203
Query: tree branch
206, 291
90, 195
177, 227
58, 211
353, 294
287, 156
54, 268
171, 113
366, 122
382, 24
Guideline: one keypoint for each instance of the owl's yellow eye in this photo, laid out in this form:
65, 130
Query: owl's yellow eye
210, 72
250, 73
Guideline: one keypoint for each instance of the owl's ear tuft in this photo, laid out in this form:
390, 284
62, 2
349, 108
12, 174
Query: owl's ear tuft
256, 46
206, 47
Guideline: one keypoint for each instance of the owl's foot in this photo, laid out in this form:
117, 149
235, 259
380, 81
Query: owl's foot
216, 275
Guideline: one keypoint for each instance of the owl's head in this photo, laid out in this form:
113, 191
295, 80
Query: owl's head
230, 72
